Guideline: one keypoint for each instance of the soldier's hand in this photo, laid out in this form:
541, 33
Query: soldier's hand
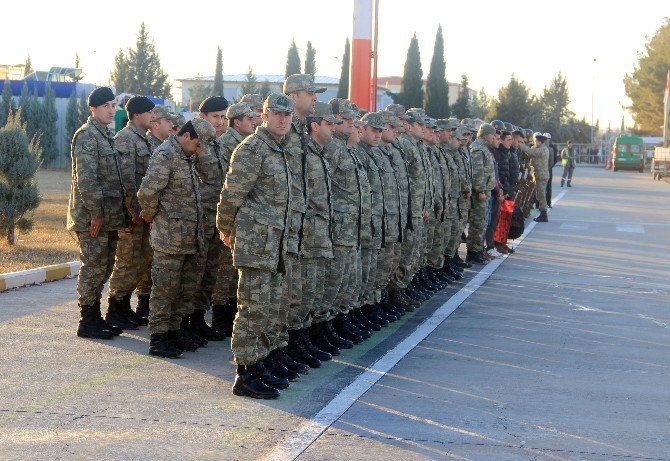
468, 195
481, 196
425, 216
137, 220
96, 225
225, 239
144, 218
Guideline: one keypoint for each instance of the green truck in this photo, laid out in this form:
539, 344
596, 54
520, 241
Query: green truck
628, 153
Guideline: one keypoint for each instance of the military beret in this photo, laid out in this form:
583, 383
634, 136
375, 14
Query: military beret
99, 96
485, 129
278, 103
205, 130
213, 104
239, 109
139, 105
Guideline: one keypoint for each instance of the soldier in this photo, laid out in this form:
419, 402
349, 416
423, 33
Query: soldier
241, 123
178, 121
211, 166
132, 265
170, 199
161, 125
253, 216
302, 91
255, 102
539, 156
97, 209
483, 182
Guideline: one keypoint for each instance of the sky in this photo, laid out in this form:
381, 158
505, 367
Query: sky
530, 39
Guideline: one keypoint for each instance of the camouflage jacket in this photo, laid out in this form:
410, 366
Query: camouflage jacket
97, 189
154, 142
294, 145
450, 154
432, 202
392, 194
442, 181
539, 158
134, 150
254, 205
228, 142
483, 170
417, 174
462, 159
402, 176
170, 195
377, 206
346, 192
211, 166
317, 232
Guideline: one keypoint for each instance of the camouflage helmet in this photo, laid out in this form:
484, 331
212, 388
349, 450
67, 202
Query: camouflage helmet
498, 125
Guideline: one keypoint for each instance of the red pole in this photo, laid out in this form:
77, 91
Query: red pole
361, 55
375, 57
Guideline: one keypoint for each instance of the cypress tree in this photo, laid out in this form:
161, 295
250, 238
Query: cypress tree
19, 161
7, 108
28, 69
76, 65
49, 117
461, 108
250, 86
310, 60
24, 104
343, 87
411, 88
292, 60
437, 90
217, 89
84, 111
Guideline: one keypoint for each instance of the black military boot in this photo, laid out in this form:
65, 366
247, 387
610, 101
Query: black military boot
335, 339
460, 262
410, 305
223, 316
173, 337
343, 329
90, 327
427, 282
371, 313
435, 278
130, 314
270, 379
186, 331
291, 364
248, 383
116, 331
476, 258
277, 368
420, 289
380, 311
298, 353
313, 350
319, 338
358, 325
115, 316
161, 346
413, 294
542, 217
364, 321
182, 340
387, 306
439, 273
200, 327
142, 308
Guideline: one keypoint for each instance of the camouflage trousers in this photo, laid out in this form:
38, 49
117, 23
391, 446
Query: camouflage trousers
258, 304
436, 250
369, 258
97, 261
313, 289
387, 264
291, 308
175, 278
210, 266
351, 299
540, 193
429, 238
453, 233
132, 264
477, 220
465, 205
225, 288
403, 274
339, 283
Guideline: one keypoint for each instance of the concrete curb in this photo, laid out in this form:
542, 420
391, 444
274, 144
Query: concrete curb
39, 275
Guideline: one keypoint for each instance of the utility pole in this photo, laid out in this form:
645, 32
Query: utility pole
593, 81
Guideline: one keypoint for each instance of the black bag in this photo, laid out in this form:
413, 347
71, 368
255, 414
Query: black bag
518, 223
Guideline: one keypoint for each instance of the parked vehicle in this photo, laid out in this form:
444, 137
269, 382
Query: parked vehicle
660, 164
628, 153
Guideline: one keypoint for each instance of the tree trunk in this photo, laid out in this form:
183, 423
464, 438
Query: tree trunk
10, 235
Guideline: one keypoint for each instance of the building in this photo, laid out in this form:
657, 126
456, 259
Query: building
392, 84
232, 88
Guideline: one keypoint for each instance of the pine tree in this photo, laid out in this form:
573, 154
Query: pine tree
310, 60
84, 110
292, 60
119, 75
437, 91
50, 118
461, 108
19, 161
217, 89
36, 123
198, 93
250, 86
72, 118
343, 87
411, 87
512, 104
480, 105
76, 65
7, 108
555, 100
28, 67
265, 89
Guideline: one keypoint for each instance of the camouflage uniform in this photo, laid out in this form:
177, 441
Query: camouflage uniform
539, 157
254, 211
170, 195
452, 226
465, 175
432, 203
132, 266
225, 288
443, 218
97, 191
483, 181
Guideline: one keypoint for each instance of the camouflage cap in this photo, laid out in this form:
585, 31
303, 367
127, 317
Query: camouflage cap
205, 130
343, 107
448, 123
398, 110
485, 129
254, 100
461, 133
160, 112
431, 123
390, 118
178, 119
276, 102
416, 116
475, 124
374, 119
239, 109
325, 112
297, 82
360, 123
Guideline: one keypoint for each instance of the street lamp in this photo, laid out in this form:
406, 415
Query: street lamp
593, 79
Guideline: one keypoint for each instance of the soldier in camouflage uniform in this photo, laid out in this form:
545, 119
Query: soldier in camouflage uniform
211, 166
132, 265
483, 182
96, 209
161, 124
170, 199
539, 157
241, 123
253, 217
255, 102
301, 89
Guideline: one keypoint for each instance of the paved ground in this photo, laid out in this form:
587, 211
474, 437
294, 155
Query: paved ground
564, 353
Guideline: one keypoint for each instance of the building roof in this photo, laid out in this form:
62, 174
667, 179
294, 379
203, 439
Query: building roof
279, 79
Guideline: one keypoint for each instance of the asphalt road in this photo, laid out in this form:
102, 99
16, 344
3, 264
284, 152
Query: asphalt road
563, 353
